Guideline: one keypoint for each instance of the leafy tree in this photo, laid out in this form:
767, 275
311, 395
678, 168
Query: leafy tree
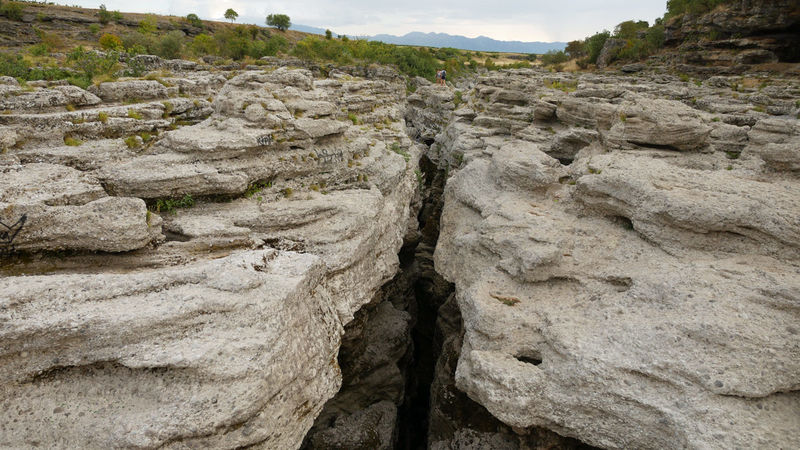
576, 49
594, 45
279, 21
231, 15
678, 7
194, 20
328, 34
630, 29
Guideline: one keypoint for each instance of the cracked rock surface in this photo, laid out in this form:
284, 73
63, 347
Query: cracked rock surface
215, 239
640, 291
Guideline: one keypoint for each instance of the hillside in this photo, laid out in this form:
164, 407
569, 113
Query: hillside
70, 26
48, 41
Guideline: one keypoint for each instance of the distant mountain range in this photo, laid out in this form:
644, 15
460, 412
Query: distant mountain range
480, 43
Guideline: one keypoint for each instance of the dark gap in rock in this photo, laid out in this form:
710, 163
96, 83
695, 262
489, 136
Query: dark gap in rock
362, 414
565, 161
173, 236
429, 293
624, 222
651, 146
529, 360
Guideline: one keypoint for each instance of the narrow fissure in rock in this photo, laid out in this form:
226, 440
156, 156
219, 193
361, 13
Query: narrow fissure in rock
387, 372
430, 291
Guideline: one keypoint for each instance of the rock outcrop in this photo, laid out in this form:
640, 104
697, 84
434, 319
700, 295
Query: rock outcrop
735, 36
278, 257
640, 291
217, 248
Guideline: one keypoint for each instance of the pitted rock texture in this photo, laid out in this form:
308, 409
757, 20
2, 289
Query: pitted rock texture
734, 37
248, 230
641, 290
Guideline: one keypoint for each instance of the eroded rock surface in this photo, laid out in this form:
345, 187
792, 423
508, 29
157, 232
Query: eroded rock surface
640, 291
249, 229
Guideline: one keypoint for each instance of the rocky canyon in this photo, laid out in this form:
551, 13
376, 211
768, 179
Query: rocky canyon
298, 255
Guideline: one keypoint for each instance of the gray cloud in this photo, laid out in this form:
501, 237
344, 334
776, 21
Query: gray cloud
532, 20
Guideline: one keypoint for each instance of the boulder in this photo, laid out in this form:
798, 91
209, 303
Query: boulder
659, 123
118, 91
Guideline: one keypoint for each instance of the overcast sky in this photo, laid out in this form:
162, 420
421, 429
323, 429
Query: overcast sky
520, 20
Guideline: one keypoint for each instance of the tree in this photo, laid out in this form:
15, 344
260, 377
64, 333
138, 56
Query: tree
279, 21
231, 15
594, 44
576, 49
194, 20
630, 29
328, 34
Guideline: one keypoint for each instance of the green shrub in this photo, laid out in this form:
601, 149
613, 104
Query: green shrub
169, 205
138, 43
134, 68
395, 147
104, 15
110, 42
72, 142
171, 45
90, 64
12, 10
94, 28
148, 25
38, 50
131, 142
408, 60
133, 114
13, 66
203, 44
554, 57
102, 117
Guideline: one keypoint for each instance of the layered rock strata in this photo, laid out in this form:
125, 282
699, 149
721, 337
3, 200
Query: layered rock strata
640, 291
212, 263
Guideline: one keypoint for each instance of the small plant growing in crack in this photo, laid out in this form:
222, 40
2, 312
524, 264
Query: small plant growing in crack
170, 205
505, 299
395, 147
